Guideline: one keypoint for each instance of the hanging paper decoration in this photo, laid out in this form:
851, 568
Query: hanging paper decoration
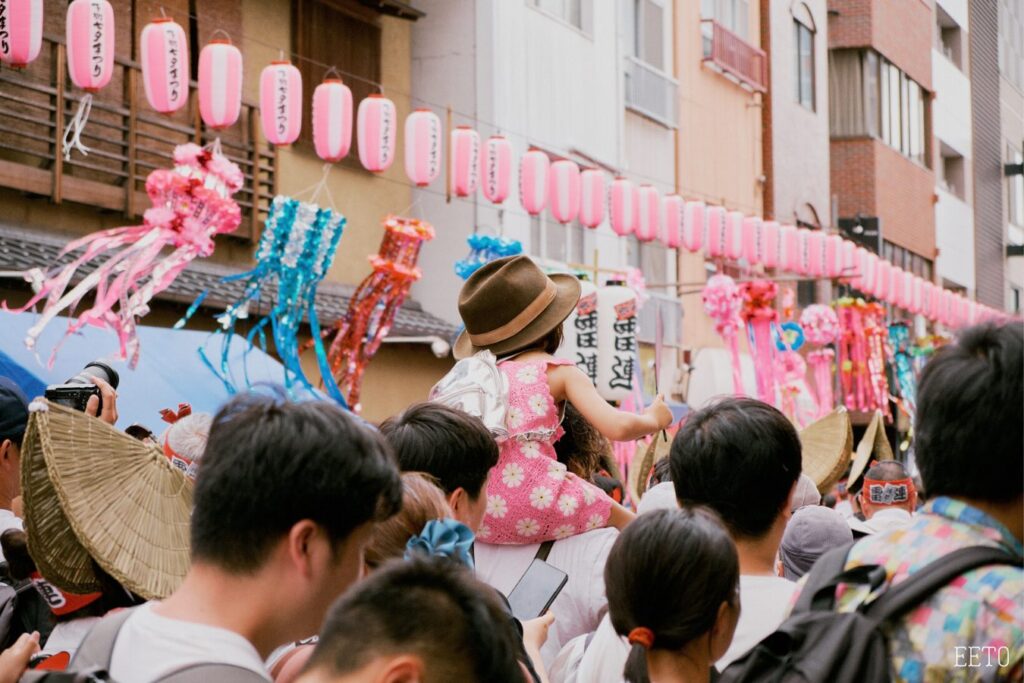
422, 147
882, 278
90, 43
465, 161
624, 207
815, 259
803, 242
770, 244
165, 68
900, 283
722, 302
21, 31
926, 298
191, 204
833, 256
293, 255
580, 344
496, 174
917, 300
564, 190
533, 181
332, 120
936, 299
693, 226
821, 328
734, 235
376, 133
375, 303
592, 197
849, 258
788, 336
220, 83
753, 240
759, 314
484, 249
790, 372
789, 249
616, 341
281, 102
903, 366
862, 355
672, 220
716, 227
648, 221
866, 265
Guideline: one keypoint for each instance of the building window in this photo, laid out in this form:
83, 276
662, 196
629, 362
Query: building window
644, 32
951, 172
1015, 190
948, 37
339, 33
1015, 300
804, 64
576, 13
1011, 41
732, 14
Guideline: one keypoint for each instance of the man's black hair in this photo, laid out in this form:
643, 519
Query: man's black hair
447, 618
886, 470
970, 415
449, 445
270, 463
741, 458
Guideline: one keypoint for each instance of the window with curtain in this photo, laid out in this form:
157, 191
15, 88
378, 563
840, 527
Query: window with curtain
573, 12
644, 36
1015, 190
732, 14
804, 64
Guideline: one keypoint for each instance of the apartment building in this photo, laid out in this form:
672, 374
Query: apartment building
1010, 18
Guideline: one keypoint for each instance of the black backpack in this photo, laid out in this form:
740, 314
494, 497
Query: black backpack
817, 644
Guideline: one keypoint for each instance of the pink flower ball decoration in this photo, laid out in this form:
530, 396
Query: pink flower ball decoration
723, 302
820, 323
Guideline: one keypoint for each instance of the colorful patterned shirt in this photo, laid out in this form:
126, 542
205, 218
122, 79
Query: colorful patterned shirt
971, 630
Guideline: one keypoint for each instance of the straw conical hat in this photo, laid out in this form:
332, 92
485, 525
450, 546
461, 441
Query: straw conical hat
92, 491
874, 443
827, 444
643, 460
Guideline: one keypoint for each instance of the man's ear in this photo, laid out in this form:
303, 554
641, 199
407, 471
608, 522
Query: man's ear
300, 542
403, 669
456, 499
5, 449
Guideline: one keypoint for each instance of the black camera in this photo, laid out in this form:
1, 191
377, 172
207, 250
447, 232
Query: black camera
75, 392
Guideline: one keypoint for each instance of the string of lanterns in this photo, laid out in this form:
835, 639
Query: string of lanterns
568, 192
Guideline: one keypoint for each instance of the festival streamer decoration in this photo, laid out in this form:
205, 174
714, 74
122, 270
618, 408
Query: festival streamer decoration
220, 83
332, 120
376, 131
903, 363
191, 204
22, 32
496, 171
90, 55
281, 102
484, 249
293, 256
465, 161
165, 68
759, 314
862, 355
790, 372
593, 196
723, 302
821, 328
373, 307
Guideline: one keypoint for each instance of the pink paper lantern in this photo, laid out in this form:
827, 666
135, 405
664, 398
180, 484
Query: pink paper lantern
649, 218
948, 308
716, 222
734, 235
753, 240
533, 181
926, 298
694, 225
220, 83
803, 240
789, 249
592, 197
917, 296
90, 38
496, 169
672, 220
332, 120
816, 244
624, 204
422, 147
281, 103
896, 289
465, 161
564, 190
935, 310
882, 276
850, 258
866, 267
833, 256
21, 36
904, 295
376, 122
770, 244
165, 70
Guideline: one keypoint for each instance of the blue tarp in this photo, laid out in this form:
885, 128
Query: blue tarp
169, 372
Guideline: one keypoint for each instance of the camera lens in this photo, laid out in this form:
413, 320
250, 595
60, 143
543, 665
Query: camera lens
98, 370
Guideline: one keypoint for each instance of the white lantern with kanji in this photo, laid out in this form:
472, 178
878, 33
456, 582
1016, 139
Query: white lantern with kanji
281, 103
90, 37
496, 169
21, 31
465, 161
376, 131
165, 70
616, 341
422, 147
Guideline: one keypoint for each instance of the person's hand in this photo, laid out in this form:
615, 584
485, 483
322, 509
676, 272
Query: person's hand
109, 414
14, 660
535, 631
660, 412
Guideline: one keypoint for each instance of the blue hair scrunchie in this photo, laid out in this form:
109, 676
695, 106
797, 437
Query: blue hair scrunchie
444, 537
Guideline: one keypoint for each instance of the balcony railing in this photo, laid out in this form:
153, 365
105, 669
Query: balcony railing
126, 140
726, 52
651, 92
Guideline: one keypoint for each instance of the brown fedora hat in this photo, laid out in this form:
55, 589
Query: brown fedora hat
509, 304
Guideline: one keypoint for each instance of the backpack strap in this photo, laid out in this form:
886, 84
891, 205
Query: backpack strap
544, 550
97, 648
205, 672
921, 585
824, 574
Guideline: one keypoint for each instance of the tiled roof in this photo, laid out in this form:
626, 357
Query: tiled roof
22, 249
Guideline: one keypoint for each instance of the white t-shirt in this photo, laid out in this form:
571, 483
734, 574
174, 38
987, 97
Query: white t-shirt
764, 601
8, 520
883, 520
150, 646
581, 604
68, 635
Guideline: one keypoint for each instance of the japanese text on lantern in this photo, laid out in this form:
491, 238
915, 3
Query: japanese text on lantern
586, 335
5, 43
96, 44
625, 342
281, 105
173, 63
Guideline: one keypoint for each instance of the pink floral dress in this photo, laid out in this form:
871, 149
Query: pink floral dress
531, 497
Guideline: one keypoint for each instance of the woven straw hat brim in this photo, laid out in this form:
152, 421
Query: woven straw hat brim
827, 444
566, 298
874, 442
644, 459
128, 506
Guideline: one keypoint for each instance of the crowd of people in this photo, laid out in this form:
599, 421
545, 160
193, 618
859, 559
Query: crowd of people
290, 541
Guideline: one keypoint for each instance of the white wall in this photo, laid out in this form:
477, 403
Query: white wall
951, 109
954, 237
